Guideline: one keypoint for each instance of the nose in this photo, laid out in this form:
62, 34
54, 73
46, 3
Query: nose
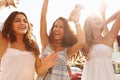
22, 22
57, 28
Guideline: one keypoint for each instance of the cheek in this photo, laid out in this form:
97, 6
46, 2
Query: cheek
62, 32
13, 28
53, 29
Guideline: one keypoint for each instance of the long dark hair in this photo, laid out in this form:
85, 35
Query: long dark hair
69, 37
8, 33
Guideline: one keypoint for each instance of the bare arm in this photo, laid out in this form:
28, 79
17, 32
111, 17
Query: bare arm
102, 9
3, 45
80, 34
112, 35
43, 25
111, 18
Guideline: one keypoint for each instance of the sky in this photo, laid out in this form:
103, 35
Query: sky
57, 8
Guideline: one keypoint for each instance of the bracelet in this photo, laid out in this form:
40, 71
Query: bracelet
77, 23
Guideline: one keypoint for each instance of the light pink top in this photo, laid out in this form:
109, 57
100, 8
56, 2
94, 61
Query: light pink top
17, 65
99, 66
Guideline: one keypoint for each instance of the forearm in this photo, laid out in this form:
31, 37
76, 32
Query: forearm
105, 28
80, 34
43, 23
44, 8
111, 18
42, 70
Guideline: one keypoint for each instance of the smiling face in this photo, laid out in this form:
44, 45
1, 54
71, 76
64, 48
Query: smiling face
96, 22
58, 30
20, 24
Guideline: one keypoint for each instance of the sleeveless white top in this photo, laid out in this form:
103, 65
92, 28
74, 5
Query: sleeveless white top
17, 65
99, 67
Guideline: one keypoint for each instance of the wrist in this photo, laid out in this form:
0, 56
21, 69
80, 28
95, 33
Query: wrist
77, 23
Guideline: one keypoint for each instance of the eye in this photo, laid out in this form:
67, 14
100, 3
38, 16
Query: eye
25, 21
17, 20
62, 27
55, 25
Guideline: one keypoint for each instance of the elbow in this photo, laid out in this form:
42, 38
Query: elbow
81, 44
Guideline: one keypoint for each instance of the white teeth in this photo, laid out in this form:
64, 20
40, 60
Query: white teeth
56, 33
22, 27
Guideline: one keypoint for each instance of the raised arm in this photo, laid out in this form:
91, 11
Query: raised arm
111, 18
74, 16
112, 35
43, 25
102, 9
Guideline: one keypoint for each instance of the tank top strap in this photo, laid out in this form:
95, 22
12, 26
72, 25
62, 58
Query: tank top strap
65, 49
9, 44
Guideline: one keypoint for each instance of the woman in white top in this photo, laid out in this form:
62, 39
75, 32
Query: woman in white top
98, 49
19, 52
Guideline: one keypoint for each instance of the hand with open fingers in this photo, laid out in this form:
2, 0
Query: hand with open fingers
50, 60
75, 14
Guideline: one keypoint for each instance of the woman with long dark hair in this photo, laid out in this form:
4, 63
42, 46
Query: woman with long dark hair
61, 40
19, 52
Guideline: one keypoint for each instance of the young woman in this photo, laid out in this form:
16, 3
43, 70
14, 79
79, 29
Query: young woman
99, 47
19, 53
61, 40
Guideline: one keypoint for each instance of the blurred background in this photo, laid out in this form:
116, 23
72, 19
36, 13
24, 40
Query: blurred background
57, 8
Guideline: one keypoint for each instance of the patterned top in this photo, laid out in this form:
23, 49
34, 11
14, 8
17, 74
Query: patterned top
59, 71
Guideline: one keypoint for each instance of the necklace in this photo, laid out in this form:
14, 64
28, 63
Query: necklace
57, 47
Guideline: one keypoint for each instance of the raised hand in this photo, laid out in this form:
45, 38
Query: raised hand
75, 14
50, 60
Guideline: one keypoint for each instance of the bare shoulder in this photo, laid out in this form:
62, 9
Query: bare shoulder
3, 45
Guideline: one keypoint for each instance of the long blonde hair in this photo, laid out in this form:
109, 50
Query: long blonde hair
89, 34
89, 37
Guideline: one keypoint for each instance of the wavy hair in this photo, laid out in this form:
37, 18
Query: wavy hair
8, 33
89, 37
69, 37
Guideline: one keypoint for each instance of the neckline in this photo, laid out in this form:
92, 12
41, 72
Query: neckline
18, 49
104, 45
57, 51
9, 46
